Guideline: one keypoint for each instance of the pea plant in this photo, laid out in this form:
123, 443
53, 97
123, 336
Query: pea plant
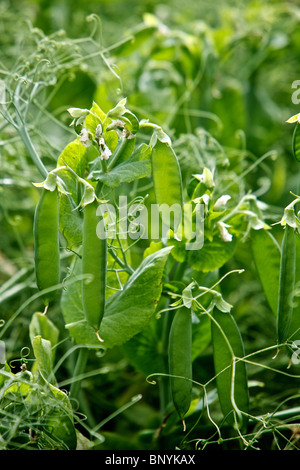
143, 241
105, 300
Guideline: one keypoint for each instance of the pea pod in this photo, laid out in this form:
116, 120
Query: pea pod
294, 330
180, 361
231, 375
167, 179
46, 242
296, 142
286, 284
266, 255
94, 262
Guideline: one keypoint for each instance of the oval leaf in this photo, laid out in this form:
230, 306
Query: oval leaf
127, 312
213, 255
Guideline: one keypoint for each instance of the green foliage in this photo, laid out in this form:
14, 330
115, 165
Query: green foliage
182, 104
127, 311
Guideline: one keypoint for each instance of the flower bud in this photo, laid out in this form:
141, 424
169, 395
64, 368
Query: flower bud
224, 234
105, 152
85, 137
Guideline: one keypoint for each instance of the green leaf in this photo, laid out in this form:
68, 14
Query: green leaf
73, 155
5, 378
59, 420
142, 351
43, 354
70, 222
232, 388
130, 45
21, 385
125, 173
95, 117
266, 255
137, 166
131, 121
42, 326
213, 255
118, 110
127, 312
152, 248
296, 142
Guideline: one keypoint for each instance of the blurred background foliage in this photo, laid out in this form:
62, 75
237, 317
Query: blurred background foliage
217, 76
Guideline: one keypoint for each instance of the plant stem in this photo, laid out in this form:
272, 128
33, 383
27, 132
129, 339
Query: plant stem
79, 369
21, 127
117, 153
31, 150
104, 166
124, 266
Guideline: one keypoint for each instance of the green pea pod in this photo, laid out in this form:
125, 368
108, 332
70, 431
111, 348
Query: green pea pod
231, 374
94, 263
266, 255
286, 284
46, 242
167, 181
296, 142
294, 331
180, 361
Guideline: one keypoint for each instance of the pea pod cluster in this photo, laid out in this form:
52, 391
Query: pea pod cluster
94, 264
180, 361
46, 242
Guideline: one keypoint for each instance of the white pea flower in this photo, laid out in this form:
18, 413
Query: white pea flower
205, 199
118, 110
221, 202
289, 218
295, 118
119, 127
256, 223
206, 178
224, 234
78, 112
105, 152
85, 137
98, 132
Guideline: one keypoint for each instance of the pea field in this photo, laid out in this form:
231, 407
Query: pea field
150, 227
